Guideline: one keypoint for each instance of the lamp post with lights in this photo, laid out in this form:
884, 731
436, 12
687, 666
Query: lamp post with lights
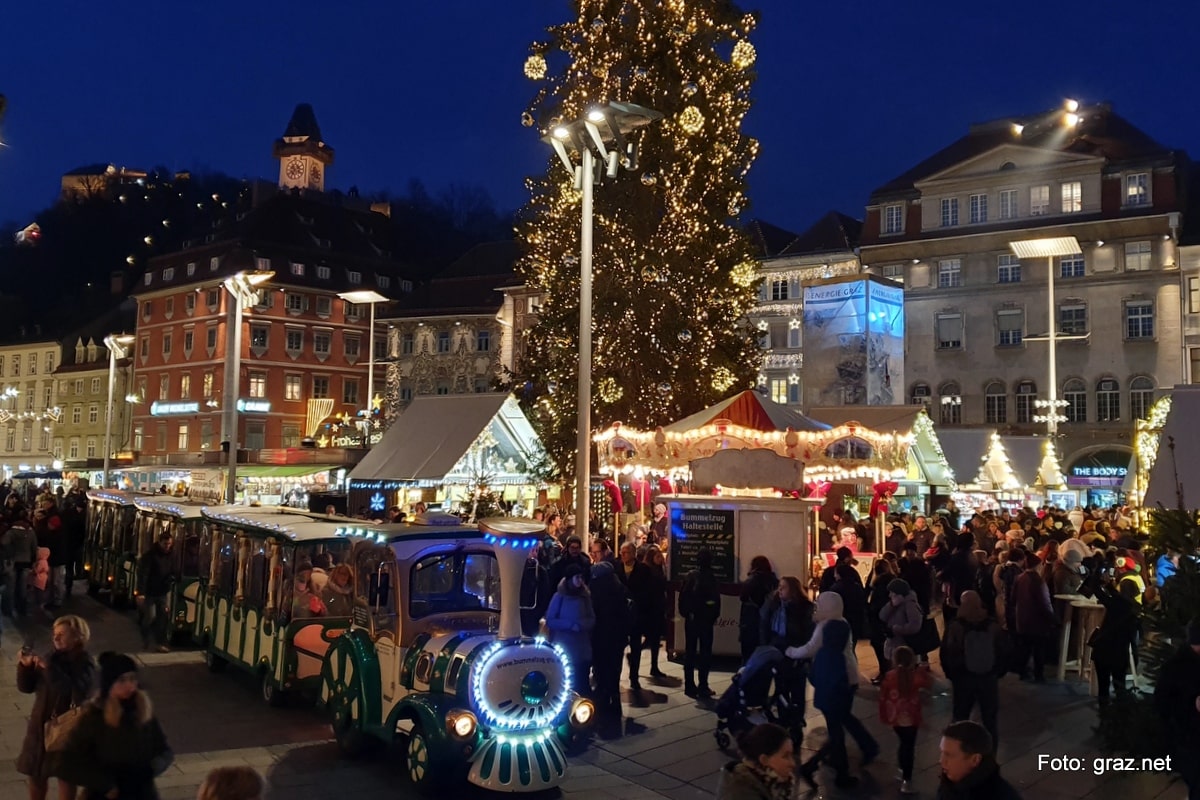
372, 298
589, 137
1050, 472
244, 293
118, 345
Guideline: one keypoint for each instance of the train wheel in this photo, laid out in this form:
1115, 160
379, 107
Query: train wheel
214, 662
342, 696
420, 773
272, 693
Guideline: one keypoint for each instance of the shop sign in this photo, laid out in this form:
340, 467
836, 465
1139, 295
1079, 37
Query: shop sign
1093, 471
161, 409
696, 529
253, 405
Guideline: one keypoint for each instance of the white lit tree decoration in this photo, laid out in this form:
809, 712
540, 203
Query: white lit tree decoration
673, 271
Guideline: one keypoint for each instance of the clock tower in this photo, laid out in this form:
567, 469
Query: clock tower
302, 154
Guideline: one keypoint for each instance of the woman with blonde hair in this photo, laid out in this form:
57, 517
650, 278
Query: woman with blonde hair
61, 680
232, 783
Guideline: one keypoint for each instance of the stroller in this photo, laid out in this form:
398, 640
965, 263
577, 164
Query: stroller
769, 681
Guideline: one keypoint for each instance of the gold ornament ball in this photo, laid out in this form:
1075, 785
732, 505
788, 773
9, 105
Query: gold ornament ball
535, 67
664, 388
722, 379
685, 336
597, 24
691, 121
527, 119
640, 72
650, 274
690, 89
744, 54
649, 179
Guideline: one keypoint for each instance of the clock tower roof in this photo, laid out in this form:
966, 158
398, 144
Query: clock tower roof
303, 137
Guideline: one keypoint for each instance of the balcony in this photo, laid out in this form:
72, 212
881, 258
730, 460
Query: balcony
783, 361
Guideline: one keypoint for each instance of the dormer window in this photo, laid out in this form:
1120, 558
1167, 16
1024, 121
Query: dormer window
191, 268
1137, 189
384, 281
262, 264
297, 269
323, 273
354, 277
169, 274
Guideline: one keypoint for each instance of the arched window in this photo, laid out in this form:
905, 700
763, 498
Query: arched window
920, 394
1141, 397
1075, 393
995, 403
849, 448
1108, 400
1007, 165
1026, 397
951, 403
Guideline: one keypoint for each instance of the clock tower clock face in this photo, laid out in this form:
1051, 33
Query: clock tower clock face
295, 168
314, 176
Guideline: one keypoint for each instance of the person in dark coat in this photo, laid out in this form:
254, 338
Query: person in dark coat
700, 607
787, 616
975, 677
915, 571
958, 575
639, 580
654, 614
759, 584
1115, 639
844, 556
894, 541
118, 748
854, 600
155, 576
74, 519
63, 678
535, 595
834, 679
52, 534
1177, 700
922, 535
610, 603
969, 770
572, 555
1035, 618
877, 598
570, 619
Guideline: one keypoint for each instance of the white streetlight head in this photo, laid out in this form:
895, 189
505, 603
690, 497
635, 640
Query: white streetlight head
1017, 128
1046, 248
595, 115
562, 133
1072, 120
1071, 105
363, 297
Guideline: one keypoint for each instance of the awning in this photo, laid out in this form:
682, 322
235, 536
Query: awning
293, 471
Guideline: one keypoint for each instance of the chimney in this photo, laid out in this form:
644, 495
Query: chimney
116, 282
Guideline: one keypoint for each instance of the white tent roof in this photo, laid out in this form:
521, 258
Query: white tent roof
436, 431
1177, 470
965, 449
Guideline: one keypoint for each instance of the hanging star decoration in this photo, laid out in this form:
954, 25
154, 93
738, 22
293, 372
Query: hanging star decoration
377, 403
323, 441
378, 501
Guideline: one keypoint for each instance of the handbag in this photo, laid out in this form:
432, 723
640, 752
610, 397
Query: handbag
926, 640
59, 727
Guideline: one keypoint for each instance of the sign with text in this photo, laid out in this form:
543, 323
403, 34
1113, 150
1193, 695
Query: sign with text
160, 408
696, 529
253, 405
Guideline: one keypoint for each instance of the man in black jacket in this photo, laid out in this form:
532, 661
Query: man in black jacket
1177, 700
639, 580
700, 607
969, 770
154, 584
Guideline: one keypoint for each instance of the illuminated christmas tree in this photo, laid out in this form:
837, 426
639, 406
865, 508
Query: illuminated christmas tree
674, 272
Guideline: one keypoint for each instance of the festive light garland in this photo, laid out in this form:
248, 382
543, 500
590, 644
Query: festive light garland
533, 715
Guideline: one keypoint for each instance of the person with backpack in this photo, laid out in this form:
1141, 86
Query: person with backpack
19, 545
900, 707
835, 679
700, 606
974, 655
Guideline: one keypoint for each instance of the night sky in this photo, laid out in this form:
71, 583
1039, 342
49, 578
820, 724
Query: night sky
849, 94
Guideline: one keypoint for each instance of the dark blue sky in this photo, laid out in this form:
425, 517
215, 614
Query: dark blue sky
849, 93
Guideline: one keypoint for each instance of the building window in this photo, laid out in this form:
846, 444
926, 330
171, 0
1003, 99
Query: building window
206, 434
1072, 197
1137, 189
91, 447
949, 331
351, 346
951, 403
210, 339
141, 389
72, 448
995, 404
483, 341
1071, 266
208, 384
949, 273
166, 351
1039, 200
95, 386
352, 310
442, 388
949, 212
1010, 327
258, 337
147, 310
795, 337
170, 308
350, 391
1108, 400
779, 290
1139, 319
58, 448
920, 394
295, 341
297, 269
16, 362
321, 343
1008, 269
381, 348
320, 387
383, 280
189, 339
1072, 319
779, 390
48, 396
213, 299
1137, 256
894, 272
76, 414
291, 387
1008, 204
182, 443
256, 435
1075, 393
1193, 294
164, 387
406, 344
185, 386
979, 203
1141, 397
893, 219
443, 342
291, 436
294, 303
139, 437
258, 384
405, 394
49, 363
323, 273
324, 306
354, 277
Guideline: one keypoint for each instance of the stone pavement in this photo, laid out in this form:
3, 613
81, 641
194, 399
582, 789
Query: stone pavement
667, 748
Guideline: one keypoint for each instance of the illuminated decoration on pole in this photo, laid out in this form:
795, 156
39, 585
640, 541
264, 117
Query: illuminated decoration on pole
685, 182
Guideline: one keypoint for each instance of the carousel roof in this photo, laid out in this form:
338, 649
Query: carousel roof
749, 409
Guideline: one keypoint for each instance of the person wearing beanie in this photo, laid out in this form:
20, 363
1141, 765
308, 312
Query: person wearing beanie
117, 748
570, 619
1068, 572
902, 617
844, 556
1177, 700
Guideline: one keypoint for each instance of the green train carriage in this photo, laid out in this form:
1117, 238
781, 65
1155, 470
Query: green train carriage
110, 548
182, 519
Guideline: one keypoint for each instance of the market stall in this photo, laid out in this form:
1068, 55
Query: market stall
450, 450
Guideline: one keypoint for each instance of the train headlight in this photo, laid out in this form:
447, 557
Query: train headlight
582, 712
462, 724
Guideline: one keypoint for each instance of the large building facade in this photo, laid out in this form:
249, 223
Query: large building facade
29, 412
944, 228
83, 393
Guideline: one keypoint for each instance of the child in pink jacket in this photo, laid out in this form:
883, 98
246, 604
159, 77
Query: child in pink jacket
39, 578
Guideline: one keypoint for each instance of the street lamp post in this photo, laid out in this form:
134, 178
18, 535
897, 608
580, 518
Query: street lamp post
243, 293
1050, 473
603, 125
372, 298
118, 348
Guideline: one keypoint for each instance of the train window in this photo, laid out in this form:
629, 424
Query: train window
204, 556
189, 553
447, 582
257, 574
227, 564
